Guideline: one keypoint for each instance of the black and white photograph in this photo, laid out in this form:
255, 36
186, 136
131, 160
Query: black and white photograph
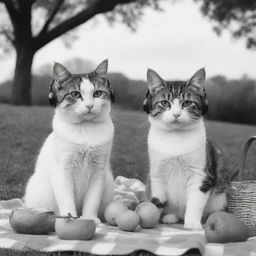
128, 127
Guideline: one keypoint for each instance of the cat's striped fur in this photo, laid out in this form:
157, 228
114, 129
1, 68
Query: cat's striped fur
65, 83
187, 172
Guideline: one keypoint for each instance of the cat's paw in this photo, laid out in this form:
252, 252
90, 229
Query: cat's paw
170, 219
193, 225
158, 203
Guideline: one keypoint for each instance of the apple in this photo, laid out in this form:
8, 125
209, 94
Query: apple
113, 210
32, 221
149, 214
128, 220
69, 228
222, 227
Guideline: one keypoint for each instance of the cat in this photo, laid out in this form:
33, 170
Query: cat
187, 172
72, 173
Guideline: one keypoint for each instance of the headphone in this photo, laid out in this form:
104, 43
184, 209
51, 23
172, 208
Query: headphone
205, 106
112, 96
53, 100
147, 103
52, 95
111, 93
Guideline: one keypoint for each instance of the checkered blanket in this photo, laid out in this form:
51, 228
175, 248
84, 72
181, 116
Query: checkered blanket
162, 240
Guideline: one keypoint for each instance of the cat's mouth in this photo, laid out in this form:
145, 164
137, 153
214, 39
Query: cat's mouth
86, 115
176, 121
86, 112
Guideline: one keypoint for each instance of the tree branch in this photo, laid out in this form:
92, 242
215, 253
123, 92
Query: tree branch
51, 17
11, 11
97, 6
8, 36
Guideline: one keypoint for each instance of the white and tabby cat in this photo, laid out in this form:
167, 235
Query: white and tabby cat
187, 173
72, 173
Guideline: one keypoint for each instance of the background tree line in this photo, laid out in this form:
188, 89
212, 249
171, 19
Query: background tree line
229, 100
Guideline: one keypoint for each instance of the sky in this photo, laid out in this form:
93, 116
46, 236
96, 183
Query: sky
175, 43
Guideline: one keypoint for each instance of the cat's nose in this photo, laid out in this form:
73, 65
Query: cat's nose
89, 106
176, 115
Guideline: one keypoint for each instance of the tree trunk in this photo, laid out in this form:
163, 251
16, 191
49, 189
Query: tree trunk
21, 89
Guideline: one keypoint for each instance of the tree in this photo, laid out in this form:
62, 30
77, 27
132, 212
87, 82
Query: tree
25, 34
236, 16
57, 17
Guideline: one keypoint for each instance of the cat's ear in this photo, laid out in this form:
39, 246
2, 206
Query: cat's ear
60, 72
155, 82
198, 79
102, 69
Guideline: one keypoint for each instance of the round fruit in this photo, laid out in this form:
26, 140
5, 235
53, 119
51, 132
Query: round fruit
149, 214
32, 221
222, 227
113, 210
75, 229
128, 220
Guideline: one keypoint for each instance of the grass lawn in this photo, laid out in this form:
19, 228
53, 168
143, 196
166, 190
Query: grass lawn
23, 129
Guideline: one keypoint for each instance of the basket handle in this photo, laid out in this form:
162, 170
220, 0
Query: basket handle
243, 156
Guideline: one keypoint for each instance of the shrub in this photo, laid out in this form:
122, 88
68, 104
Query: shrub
229, 100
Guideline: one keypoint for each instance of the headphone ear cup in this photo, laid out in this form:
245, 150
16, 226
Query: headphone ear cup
205, 104
52, 100
146, 106
205, 107
112, 96
51, 96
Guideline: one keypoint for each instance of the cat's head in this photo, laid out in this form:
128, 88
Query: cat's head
81, 97
178, 104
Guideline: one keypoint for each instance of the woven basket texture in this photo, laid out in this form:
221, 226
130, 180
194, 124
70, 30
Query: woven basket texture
241, 195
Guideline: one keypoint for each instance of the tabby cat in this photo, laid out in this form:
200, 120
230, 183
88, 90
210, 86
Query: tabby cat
187, 173
72, 173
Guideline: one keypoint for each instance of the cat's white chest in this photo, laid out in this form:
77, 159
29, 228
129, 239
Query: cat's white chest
181, 157
89, 133
176, 143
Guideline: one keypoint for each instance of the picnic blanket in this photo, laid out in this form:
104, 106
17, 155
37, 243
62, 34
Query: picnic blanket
108, 240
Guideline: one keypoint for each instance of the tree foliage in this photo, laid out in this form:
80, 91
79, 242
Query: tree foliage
34, 23
28, 25
236, 16
53, 18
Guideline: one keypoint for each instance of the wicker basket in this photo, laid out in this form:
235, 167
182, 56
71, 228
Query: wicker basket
241, 195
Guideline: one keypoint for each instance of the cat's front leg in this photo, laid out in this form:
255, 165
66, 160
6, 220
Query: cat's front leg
63, 187
93, 196
158, 192
196, 201
99, 158
158, 184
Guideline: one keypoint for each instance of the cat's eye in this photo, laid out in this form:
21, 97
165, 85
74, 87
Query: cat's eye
76, 95
97, 93
187, 103
165, 103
